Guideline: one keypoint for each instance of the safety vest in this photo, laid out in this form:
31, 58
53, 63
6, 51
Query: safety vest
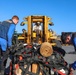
4, 27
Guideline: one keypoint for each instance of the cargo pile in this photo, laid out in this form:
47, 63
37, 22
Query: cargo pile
37, 60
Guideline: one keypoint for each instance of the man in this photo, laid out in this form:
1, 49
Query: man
71, 39
7, 29
37, 28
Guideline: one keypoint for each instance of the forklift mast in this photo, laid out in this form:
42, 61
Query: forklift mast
33, 19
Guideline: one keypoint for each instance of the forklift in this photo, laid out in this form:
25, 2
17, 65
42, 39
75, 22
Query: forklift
45, 35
